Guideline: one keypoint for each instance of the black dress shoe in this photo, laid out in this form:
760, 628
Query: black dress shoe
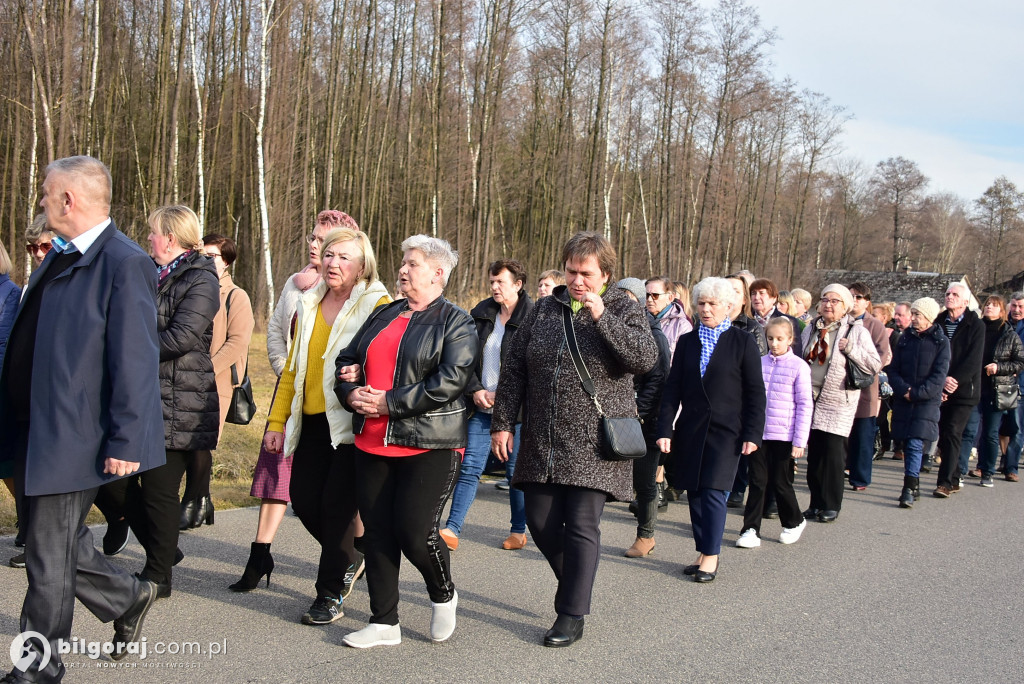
827, 516
772, 513
634, 507
735, 500
565, 632
128, 627
691, 570
811, 513
163, 589
178, 556
704, 577
116, 537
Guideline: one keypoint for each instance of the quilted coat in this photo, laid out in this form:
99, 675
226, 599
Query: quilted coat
919, 365
787, 384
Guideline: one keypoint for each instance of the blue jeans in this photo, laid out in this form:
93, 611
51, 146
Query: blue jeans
1017, 443
478, 448
988, 450
862, 450
913, 451
970, 436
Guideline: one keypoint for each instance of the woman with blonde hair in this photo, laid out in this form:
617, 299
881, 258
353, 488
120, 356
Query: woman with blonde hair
187, 299
309, 423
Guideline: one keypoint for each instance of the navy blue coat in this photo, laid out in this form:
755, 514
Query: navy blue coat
10, 296
719, 413
95, 393
920, 362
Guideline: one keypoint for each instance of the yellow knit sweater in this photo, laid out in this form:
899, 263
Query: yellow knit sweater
313, 396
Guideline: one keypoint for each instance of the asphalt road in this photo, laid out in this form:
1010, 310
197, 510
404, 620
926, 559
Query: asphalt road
882, 595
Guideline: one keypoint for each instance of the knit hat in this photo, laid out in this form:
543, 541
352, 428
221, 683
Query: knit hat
636, 286
927, 307
841, 290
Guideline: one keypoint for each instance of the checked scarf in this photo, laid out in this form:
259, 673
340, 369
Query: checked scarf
708, 341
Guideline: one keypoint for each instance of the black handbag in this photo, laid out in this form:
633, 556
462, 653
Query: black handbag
623, 437
242, 407
1007, 397
856, 379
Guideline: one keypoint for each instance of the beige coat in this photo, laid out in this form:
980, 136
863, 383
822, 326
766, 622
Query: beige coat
230, 343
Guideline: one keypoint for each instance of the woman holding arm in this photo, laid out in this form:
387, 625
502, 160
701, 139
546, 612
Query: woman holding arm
404, 376
272, 475
560, 470
1003, 360
307, 421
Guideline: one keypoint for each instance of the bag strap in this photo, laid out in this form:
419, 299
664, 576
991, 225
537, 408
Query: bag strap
577, 359
227, 315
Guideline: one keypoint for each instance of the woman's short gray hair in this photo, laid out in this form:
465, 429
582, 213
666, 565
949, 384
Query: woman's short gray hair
716, 289
436, 251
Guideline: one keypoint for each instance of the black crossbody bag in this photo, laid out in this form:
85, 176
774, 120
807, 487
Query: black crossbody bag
623, 437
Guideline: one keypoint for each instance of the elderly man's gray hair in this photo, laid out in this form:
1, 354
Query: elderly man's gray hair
436, 251
1018, 295
965, 291
716, 289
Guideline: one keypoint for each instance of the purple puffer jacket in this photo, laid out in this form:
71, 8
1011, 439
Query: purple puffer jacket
787, 382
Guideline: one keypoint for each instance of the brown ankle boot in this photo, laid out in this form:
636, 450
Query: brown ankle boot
641, 547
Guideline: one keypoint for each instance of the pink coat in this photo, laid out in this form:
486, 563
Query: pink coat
787, 382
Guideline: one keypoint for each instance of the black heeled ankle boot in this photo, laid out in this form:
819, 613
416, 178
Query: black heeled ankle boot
260, 563
203, 512
188, 514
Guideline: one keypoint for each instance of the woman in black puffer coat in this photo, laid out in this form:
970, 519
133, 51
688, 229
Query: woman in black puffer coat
1002, 361
187, 299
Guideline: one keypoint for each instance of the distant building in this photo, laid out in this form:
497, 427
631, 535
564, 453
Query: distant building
900, 286
1007, 287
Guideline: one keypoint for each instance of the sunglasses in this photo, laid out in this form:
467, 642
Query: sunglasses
43, 247
656, 295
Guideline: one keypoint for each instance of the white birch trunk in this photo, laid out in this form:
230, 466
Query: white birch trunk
266, 10
33, 152
200, 119
92, 75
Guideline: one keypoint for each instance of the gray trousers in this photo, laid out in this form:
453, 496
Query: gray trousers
63, 564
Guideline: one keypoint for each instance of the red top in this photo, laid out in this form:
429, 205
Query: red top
379, 370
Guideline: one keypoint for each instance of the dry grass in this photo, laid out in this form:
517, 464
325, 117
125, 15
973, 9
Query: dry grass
235, 457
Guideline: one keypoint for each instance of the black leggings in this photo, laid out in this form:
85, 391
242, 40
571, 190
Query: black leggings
401, 500
197, 475
771, 470
323, 493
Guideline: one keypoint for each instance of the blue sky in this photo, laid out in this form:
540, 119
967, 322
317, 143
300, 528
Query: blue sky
938, 82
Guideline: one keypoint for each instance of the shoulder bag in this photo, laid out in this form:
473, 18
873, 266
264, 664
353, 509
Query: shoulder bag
856, 379
623, 437
242, 407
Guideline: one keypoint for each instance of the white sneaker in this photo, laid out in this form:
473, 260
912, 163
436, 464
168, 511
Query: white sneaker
791, 534
442, 618
749, 539
374, 634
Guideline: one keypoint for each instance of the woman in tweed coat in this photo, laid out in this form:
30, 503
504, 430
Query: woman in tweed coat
560, 469
831, 341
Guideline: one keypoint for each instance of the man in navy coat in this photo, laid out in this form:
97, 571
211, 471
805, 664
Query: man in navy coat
79, 407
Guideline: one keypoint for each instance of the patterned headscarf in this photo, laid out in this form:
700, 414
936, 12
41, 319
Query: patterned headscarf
709, 340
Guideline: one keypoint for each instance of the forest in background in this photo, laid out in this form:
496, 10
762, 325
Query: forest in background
503, 126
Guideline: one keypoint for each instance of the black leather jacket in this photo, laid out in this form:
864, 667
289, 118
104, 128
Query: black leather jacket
436, 358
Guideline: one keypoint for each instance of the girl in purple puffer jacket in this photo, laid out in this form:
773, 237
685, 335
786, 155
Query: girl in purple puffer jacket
787, 381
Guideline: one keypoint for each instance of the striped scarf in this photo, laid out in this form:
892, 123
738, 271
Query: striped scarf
708, 341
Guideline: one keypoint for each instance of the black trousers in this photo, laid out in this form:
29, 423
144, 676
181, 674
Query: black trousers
770, 469
151, 506
826, 459
323, 493
952, 421
565, 522
63, 564
401, 500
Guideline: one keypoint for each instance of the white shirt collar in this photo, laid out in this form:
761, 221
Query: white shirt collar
84, 241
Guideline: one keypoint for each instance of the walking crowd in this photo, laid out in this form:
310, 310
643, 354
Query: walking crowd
120, 369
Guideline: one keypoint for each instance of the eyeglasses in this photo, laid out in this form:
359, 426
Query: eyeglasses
313, 238
43, 247
656, 295
830, 302
212, 255
857, 296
